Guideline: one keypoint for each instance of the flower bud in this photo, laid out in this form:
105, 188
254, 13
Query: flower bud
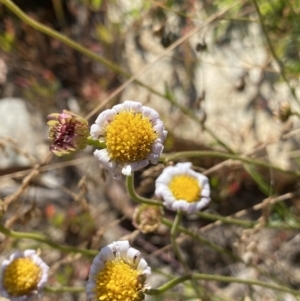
147, 218
68, 132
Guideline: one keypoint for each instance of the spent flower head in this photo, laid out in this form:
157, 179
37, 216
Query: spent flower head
181, 188
284, 111
118, 272
147, 218
68, 132
134, 136
23, 275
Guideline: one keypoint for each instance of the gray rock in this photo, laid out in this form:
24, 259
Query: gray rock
22, 134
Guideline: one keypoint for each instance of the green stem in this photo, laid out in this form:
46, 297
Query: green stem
178, 253
167, 286
186, 111
226, 220
64, 289
175, 246
295, 114
201, 239
43, 239
96, 143
272, 50
219, 141
137, 198
226, 279
221, 155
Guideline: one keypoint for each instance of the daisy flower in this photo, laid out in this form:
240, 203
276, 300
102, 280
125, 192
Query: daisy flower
23, 275
181, 188
133, 134
118, 272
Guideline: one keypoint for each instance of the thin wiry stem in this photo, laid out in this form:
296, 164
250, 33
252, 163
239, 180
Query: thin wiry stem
222, 155
95, 143
175, 246
226, 220
43, 239
206, 277
226, 279
186, 111
62, 38
177, 251
135, 196
71, 43
272, 50
202, 240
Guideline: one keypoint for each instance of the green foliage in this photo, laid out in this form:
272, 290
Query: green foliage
283, 216
7, 41
95, 4
64, 274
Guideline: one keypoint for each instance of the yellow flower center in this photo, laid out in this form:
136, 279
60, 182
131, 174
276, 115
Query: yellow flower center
21, 277
185, 188
118, 281
129, 137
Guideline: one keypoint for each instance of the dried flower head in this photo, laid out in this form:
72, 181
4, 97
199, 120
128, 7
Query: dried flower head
134, 136
181, 188
23, 275
68, 132
284, 111
118, 272
147, 218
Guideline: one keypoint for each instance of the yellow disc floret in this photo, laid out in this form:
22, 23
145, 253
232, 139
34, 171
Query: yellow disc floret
118, 281
21, 277
129, 137
186, 188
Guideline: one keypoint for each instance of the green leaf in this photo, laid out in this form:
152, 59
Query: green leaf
96, 4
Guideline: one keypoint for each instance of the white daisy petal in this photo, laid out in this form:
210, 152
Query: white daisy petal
151, 114
204, 202
127, 170
97, 265
125, 259
191, 192
156, 149
107, 254
159, 128
133, 105
124, 247
103, 156
138, 165
118, 108
105, 117
143, 266
134, 256
121, 119
205, 193
164, 136
184, 167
